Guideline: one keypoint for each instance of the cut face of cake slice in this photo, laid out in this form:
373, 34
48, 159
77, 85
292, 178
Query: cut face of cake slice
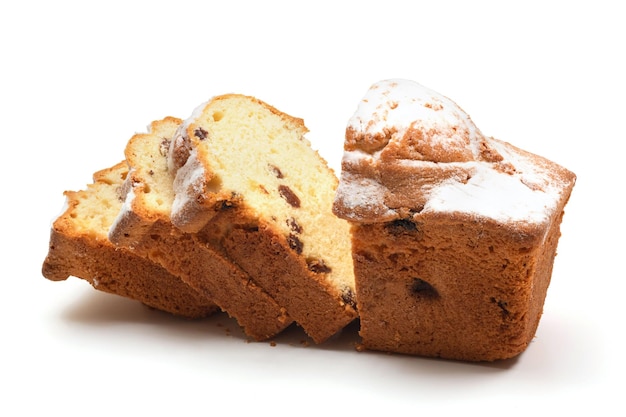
454, 233
144, 225
246, 171
79, 247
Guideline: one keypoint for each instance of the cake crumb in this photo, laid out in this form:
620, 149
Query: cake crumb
359, 347
273, 343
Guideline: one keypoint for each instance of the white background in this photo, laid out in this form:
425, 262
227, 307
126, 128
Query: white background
77, 79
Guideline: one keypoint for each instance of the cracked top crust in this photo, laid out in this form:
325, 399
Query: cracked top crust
409, 150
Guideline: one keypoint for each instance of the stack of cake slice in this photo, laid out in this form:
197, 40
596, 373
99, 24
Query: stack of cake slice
144, 225
79, 247
237, 206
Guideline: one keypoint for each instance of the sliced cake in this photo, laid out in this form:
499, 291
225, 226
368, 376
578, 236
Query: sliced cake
144, 225
247, 179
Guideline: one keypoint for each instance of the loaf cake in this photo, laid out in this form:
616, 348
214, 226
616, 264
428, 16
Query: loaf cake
454, 233
247, 170
79, 247
144, 225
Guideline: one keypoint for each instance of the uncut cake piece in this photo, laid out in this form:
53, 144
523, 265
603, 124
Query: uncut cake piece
247, 169
454, 233
79, 247
144, 225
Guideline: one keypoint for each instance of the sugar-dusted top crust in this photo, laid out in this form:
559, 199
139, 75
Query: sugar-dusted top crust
427, 125
147, 191
410, 150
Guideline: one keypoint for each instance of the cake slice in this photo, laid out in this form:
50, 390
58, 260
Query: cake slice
144, 225
248, 180
454, 233
79, 247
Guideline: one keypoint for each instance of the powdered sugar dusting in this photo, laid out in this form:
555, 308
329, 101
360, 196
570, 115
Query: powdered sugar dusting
127, 207
187, 183
499, 181
493, 194
179, 139
397, 105
362, 197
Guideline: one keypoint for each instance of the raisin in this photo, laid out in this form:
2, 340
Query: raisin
224, 205
402, 227
421, 288
348, 297
164, 147
181, 148
290, 197
200, 133
293, 225
403, 224
295, 243
318, 266
277, 172
503, 307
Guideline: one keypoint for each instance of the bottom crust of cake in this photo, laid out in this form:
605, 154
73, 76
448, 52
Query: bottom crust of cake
120, 272
205, 269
